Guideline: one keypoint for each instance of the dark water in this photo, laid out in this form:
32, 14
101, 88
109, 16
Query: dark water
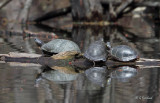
23, 83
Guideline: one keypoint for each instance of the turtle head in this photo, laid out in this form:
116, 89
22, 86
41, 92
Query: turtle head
108, 44
38, 42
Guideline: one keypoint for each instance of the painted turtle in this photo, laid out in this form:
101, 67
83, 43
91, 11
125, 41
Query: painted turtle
96, 51
122, 53
57, 45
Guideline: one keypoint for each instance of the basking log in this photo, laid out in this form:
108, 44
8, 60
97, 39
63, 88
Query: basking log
71, 61
56, 60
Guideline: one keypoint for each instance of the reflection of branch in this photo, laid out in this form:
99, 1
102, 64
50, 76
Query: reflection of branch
4, 4
13, 46
59, 32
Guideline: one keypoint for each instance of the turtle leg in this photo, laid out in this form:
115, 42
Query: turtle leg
109, 57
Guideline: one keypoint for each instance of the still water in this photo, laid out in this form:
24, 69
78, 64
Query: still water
27, 84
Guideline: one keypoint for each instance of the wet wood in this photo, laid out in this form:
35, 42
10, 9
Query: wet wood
81, 63
16, 54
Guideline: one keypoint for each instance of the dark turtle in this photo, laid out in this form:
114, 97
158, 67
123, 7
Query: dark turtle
97, 75
123, 73
122, 53
57, 45
96, 51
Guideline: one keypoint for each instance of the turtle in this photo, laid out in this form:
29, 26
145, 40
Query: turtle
122, 53
96, 51
57, 45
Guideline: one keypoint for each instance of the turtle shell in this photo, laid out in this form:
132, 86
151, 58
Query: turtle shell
123, 53
60, 45
96, 51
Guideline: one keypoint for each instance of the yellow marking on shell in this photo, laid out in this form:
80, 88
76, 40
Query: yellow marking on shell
65, 55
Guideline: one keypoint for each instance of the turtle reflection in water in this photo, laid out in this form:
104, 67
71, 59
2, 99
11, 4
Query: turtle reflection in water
59, 75
56, 46
97, 75
123, 73
122, 53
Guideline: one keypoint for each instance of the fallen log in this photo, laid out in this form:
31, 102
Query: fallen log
63, 60
55, 60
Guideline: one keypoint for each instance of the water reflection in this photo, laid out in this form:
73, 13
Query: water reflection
126, 84
59, 77
124, 73
97, 75
94, 85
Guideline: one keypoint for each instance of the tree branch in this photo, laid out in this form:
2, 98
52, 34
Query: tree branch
53, 14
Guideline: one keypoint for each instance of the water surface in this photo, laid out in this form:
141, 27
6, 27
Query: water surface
21, 83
